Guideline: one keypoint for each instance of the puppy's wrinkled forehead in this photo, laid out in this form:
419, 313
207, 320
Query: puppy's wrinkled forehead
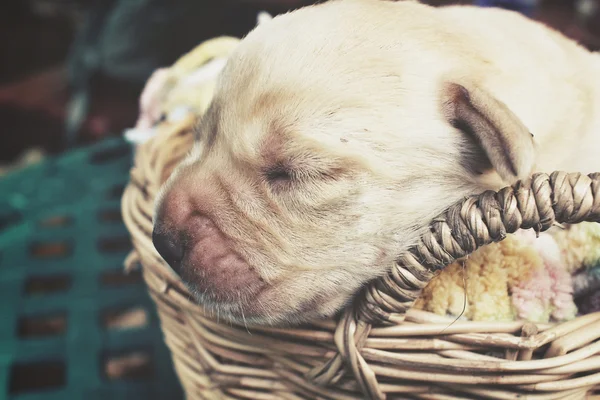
286, 83
251, 130
265, 134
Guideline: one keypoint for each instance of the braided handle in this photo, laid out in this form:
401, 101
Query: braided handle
538, 203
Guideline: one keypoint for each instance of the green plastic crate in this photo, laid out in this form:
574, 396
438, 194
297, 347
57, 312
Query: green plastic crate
63, 293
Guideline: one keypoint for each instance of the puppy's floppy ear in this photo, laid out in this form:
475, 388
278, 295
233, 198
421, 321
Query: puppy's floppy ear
506, 142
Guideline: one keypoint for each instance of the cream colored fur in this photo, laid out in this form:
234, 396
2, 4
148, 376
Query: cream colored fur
351, 93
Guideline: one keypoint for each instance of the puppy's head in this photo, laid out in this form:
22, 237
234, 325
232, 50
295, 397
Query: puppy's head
323, 156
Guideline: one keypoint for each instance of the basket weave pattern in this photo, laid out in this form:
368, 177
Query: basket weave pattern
379, 348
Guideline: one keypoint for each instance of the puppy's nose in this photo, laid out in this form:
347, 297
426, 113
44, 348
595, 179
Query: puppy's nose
169, 248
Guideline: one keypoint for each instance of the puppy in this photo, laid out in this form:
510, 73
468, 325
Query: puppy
338, 131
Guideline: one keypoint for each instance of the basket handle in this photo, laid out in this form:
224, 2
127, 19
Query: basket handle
537, 203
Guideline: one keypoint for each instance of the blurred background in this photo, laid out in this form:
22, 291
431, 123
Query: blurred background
71, 71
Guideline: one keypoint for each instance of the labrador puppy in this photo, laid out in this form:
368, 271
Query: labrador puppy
338, 131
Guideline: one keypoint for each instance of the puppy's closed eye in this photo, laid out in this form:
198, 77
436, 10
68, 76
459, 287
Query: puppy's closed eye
283, 175
278, 174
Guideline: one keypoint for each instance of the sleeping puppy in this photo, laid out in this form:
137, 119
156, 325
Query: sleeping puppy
338, 131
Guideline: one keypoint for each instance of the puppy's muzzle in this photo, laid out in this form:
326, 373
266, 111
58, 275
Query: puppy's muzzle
200, 253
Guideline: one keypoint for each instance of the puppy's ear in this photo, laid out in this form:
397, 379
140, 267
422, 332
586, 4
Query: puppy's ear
505, 141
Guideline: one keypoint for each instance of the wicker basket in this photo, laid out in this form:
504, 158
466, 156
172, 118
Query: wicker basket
379, 348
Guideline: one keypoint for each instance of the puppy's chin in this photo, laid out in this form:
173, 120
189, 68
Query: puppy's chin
272, 306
